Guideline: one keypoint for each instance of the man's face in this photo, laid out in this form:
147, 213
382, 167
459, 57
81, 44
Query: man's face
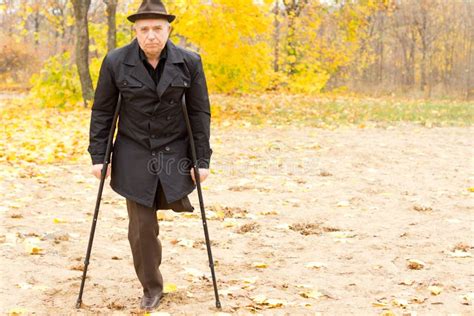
152, 35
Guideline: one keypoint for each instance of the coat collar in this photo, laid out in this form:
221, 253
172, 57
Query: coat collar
170, 71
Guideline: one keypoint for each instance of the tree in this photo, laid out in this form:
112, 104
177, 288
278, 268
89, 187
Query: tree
81, 8
111, 9
293, 10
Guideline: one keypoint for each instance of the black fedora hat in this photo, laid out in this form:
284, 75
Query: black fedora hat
150, 9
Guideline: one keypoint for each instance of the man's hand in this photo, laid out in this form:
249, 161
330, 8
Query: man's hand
97, 171
203, 173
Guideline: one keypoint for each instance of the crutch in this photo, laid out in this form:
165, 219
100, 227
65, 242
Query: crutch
201, 201
99, 196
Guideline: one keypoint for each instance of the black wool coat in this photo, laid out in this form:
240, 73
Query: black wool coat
152, 142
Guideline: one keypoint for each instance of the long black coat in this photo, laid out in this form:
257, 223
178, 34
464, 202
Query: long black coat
152, 142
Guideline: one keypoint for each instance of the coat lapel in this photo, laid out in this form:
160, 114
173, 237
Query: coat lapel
138, 71
171, 69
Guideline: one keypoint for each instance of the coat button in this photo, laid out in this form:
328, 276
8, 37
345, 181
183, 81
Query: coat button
172, 101
167, 148
124, 83
185, 83
153, 153
168, 117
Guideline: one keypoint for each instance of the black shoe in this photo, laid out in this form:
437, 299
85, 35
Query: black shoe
150, 303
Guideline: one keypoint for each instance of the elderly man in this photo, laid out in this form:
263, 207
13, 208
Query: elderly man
150, 164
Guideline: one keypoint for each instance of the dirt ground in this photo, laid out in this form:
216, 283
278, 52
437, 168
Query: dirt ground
302, 221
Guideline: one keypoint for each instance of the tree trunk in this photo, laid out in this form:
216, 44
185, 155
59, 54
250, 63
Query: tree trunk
293, 11
276, 37
470, 59
111, 9
81, 7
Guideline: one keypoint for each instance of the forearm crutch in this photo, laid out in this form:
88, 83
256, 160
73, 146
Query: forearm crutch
99, 197
201, 201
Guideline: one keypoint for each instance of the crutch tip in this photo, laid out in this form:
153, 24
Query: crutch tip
78, 304
218, 304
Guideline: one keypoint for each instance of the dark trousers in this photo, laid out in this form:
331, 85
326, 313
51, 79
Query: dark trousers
143, 231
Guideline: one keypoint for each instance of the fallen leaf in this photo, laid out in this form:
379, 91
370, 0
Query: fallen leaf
260, 265
460, 254
417, 300
58, 221
259, 299
283, 226
343, 203
468, 298
17, 311
33, 249
311, 294
461, 247
250, 280
422, 208
246, 228
267, 213
415, 264
435, 290
229, 222
314, 265
170, 288
399, 302
380, 303
162, 216
185, 242
24, 286
194, 272
407, 282
274, 303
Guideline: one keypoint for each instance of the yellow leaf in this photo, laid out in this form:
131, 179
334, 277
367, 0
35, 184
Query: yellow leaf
162, 216
435, 290
32, 247
399, 302
471, 189
17, 311
58, 221
229, 222
274, 303
260, 265
259, 299
468, 298
250, 280
311, 294
170, 288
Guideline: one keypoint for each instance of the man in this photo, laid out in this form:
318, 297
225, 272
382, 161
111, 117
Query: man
150, 164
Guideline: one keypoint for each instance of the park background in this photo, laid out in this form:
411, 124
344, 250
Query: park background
326, 115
